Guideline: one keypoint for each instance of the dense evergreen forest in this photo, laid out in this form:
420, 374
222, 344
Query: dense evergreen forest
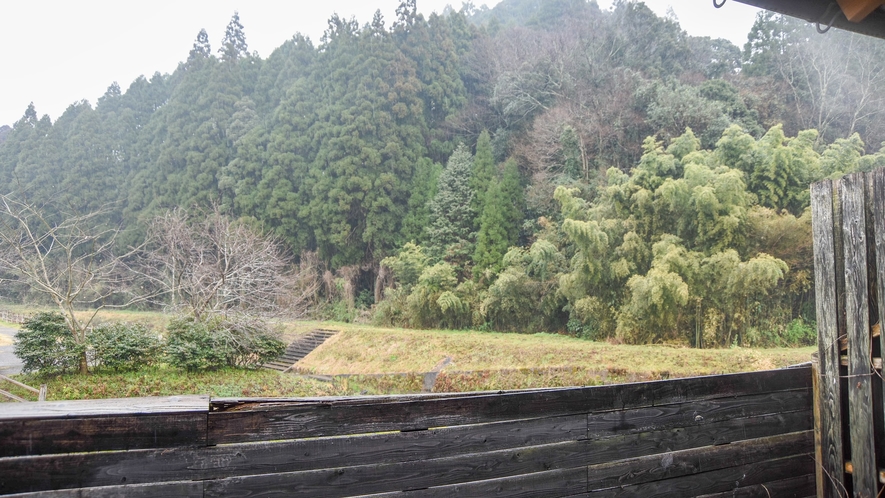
538, 166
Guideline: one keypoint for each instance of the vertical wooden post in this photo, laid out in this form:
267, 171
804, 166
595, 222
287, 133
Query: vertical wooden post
860, 395
41, 396
830, 463
876, 181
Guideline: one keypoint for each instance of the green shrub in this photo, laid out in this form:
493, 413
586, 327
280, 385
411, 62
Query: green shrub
45, 344
192, 346
251, 344
800, 333
123, 346
195, 345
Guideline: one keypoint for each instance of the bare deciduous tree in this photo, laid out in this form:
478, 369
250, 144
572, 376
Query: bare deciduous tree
215, 266
66, 256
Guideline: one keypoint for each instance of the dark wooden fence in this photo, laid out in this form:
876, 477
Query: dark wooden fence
849, 260
744, 434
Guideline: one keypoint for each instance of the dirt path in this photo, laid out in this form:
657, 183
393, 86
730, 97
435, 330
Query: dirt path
9, 363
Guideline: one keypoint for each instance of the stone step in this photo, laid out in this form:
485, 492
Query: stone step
300, 348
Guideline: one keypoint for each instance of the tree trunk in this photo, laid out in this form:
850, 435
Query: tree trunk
84, 368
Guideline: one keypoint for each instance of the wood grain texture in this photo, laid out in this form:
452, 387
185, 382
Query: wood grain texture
164, 490
860, 409
38, 437
99, 407
876, 182
98, 469
347, 481
695, 413
794, 487
716, 481
829, 404
263, 421
697, 460
550, 484
684, 423
404, 476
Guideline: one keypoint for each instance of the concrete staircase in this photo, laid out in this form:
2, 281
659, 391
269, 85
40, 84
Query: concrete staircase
300, 348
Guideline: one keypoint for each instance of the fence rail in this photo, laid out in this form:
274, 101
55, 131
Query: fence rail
11, 317
660, 438
41, 392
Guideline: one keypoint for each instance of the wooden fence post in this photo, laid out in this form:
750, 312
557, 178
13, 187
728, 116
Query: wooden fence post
860, 394
830, 464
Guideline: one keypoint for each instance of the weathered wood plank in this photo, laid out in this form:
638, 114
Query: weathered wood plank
695, 413
165, 490
19, 384
292, 420
795, 487
96, 469
830, 423
550, 484
99, 407
33, 436
697, 460
716, 481
100, 469
367, 479
860, 409
876, 180
11, 396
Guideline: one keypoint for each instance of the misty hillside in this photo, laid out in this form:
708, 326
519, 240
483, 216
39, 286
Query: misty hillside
504, 149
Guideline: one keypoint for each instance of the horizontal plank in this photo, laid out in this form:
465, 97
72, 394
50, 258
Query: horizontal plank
719, 433
97, 469
164, 490
696, 460
716, 481
198, 463
108, 468
794, 487
263, 420
348, 481
418, 474
694, 413
62, 435
100, 407
550, 484
19, 384
13, 397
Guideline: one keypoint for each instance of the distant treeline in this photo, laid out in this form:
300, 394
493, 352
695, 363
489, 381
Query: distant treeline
492, 167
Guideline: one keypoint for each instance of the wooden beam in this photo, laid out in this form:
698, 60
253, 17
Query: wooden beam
860, 373
11, 396
825, 227
858, 10
19, 384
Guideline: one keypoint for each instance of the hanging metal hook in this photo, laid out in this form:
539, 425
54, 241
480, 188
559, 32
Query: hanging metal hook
718, 5
832, 19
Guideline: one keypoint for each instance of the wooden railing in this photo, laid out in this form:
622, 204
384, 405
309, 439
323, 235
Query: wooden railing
745, 434
41, 393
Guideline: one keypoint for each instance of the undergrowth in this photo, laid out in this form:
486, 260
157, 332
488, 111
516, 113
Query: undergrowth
163, 381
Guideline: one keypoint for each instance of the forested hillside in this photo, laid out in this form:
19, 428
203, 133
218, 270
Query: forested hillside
539, 166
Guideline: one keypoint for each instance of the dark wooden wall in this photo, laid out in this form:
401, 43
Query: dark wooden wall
747, 433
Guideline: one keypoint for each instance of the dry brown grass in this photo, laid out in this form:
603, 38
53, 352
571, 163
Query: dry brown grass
361, 349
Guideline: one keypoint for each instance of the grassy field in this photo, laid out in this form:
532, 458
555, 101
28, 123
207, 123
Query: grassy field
361, 349
371, 359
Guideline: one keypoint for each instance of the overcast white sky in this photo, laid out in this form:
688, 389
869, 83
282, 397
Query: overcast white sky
57, 52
